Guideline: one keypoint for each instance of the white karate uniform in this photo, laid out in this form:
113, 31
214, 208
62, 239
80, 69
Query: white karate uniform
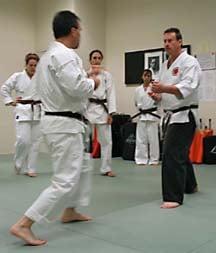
97, 116
27, 120
61, 85
185, 72
147, 129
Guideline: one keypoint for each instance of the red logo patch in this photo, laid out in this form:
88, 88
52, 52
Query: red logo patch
175, 71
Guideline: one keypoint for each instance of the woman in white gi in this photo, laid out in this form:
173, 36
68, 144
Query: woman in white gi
27, 117
100, 108
147, 142
178, 86
63, 88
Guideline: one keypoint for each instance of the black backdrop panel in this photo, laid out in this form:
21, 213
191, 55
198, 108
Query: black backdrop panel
134, 66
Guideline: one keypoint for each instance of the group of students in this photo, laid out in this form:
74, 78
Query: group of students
63, 88
100, 108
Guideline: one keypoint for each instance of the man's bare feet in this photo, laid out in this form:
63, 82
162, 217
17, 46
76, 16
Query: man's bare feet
109, 174
25, 233
70, 215
32, 174
169, 205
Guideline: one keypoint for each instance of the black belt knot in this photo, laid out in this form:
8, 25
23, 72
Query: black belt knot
100, 102
146, 111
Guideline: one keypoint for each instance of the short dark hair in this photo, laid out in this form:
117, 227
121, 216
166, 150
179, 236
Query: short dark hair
174, 30
31, 56
63, 22
95, 51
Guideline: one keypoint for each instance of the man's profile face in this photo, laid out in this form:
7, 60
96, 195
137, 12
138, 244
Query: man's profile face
76, 36
171, 44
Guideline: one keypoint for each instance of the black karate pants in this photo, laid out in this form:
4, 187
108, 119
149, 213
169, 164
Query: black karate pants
177, 171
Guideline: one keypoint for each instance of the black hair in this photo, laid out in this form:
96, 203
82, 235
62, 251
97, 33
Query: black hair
63, 22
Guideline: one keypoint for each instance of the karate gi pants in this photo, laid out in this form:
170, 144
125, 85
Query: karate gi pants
147, 135
28, 137
70, 184
105, 140
177, 171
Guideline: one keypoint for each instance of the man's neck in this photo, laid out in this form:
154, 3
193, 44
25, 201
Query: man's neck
173, 57
64, 41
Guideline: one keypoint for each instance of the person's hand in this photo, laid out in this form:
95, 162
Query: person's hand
157, 87
109, 119
96, 80
14, 103
18, 99
94, 70
11, 103
155, 96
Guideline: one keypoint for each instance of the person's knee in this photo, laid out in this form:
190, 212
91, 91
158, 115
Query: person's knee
23, 142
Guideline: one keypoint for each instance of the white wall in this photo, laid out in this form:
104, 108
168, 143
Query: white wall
29, 28
139, 24
91, 13
114, 26
17, 39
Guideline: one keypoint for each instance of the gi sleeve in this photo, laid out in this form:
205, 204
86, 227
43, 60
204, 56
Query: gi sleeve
110, 92
8, 87
72, 78
190, 79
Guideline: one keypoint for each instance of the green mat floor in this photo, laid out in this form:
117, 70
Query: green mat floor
125, 210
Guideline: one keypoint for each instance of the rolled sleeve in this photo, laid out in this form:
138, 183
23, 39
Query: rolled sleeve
189, 81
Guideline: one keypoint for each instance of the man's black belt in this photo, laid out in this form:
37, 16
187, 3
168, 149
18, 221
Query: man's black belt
146, 111
167, 117
68, 114
183, 108
100, 102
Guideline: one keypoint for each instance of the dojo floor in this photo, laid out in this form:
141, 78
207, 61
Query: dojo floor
127, 217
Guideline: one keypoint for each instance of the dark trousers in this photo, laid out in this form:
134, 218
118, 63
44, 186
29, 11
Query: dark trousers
177, 171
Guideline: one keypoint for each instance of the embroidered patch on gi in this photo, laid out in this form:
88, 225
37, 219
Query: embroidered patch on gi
175, 71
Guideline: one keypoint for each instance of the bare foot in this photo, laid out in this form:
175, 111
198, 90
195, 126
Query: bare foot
26, 234
169, 205
109, 174
70, 215
17, 170
31, 174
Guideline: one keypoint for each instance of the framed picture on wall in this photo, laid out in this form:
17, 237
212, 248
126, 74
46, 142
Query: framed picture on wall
186, 48
153, 60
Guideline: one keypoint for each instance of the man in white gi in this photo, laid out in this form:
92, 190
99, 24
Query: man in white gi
63, 89
147, 125
101, 106
27, 117
178, 86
